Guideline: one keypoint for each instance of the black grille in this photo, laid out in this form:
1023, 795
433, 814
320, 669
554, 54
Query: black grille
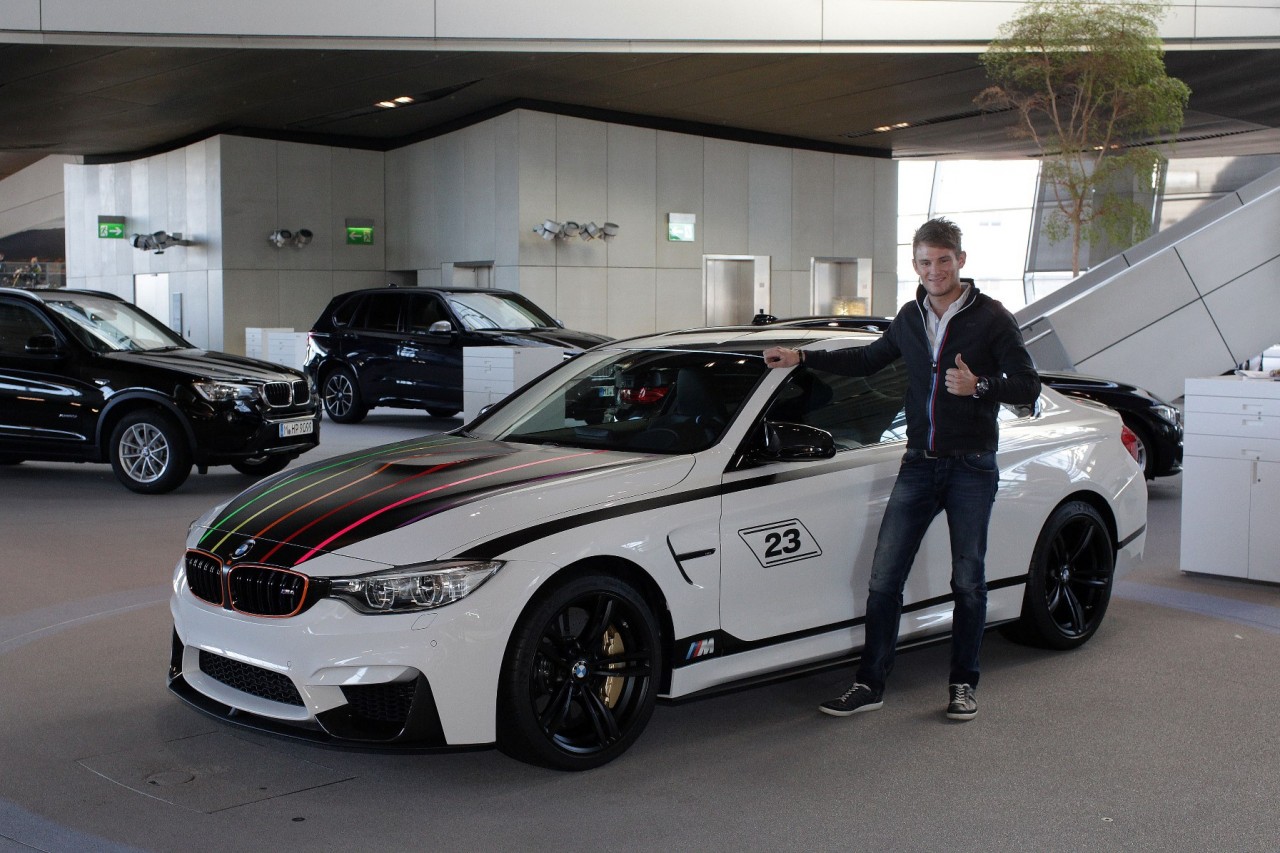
301, 392
250, 679
263, 591
277, 394
383, 703
204, 576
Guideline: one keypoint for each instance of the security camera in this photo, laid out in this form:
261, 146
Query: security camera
301, 238
280, 237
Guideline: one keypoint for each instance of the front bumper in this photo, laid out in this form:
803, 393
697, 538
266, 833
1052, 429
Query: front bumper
232, 434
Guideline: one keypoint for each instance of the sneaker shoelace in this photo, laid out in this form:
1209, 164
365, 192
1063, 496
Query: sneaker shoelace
852, 691
960, 694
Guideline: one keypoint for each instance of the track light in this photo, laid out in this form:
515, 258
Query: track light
549, 229
590, 231
610, 229
282, 237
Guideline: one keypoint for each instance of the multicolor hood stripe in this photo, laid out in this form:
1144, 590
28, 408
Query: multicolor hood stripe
335, 503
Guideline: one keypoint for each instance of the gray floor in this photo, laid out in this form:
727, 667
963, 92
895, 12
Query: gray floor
1160, 734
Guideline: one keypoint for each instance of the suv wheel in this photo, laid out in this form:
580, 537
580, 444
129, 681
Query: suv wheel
342, 402
149, 453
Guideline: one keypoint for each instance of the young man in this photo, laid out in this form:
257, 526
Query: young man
964, 357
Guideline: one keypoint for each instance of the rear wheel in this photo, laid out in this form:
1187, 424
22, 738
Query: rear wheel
262, 466
1069, 583
149, 453
342, 401
580, 676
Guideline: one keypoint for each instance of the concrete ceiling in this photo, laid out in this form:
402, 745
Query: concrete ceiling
110, 103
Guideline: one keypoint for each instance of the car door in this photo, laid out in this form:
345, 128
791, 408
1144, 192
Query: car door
797, 538
372, 344
44, 405
428, 368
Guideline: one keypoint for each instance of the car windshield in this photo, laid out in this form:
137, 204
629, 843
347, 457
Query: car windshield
647, 400
510, 312
108, 325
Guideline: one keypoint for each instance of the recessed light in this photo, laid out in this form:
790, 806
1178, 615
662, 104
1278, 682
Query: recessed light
404, 99
388, 105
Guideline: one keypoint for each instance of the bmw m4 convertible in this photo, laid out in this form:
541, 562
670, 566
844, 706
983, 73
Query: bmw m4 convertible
656, 518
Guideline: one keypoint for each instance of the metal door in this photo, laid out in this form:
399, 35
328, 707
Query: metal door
840, 286
735, 287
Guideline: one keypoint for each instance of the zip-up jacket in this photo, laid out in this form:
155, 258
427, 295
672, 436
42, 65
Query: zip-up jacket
985, 334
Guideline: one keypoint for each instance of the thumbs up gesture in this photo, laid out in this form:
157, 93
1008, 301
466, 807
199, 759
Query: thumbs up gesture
960, 379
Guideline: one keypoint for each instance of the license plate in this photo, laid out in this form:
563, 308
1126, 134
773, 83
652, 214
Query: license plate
292, 428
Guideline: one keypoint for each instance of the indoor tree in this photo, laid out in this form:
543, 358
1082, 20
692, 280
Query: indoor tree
1088, 82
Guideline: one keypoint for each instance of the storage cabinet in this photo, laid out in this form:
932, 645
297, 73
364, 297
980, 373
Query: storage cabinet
1231, 478
491, 373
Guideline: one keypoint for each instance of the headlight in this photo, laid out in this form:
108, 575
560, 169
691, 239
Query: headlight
409, 588
221, 392
1167, 413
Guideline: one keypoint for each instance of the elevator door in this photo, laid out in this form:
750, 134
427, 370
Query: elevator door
840, 286
735, 288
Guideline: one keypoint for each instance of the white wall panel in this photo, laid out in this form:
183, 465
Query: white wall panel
632, 302
303, 295
476, 207
582, 179
679, 189
507, 222
769, 205
1246, 311
813, 204
250, 182
539, 284
250, 298
401, 18
397, 186
893, 20
679, 296
1146, 359
725, 198
632, 192
537, 185
20, 15
1217, 255
1227, 22
305, 196
581, 301
358, 180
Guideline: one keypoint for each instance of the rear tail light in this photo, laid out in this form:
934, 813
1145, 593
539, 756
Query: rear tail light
1130, 441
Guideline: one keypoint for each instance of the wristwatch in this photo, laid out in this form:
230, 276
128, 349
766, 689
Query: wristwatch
982, 387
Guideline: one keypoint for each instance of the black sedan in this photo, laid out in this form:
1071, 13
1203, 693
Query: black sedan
1156, 424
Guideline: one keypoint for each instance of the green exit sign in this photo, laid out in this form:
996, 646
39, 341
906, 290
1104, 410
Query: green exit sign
111, 227
359, 232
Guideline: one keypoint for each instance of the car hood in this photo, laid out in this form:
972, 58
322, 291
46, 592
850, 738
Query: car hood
461, 489
207, 364
542, 337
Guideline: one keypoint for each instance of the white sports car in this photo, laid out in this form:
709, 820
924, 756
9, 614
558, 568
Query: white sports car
657, 517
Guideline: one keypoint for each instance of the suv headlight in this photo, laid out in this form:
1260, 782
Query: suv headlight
222, 392
405, 589
1167, 413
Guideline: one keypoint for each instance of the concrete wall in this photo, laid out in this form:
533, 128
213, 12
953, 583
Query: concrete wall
476, 195
33, 198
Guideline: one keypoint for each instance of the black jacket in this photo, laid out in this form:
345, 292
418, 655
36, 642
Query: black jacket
982, 331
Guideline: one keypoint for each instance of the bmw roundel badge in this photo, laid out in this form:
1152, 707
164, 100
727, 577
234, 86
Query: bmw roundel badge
243, 548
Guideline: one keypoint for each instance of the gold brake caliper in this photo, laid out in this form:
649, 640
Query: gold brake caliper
611, 689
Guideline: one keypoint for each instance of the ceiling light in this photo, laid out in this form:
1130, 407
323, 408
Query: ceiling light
388, 105
404, 99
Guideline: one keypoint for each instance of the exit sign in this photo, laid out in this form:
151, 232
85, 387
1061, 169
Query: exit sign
111, 227
359, 232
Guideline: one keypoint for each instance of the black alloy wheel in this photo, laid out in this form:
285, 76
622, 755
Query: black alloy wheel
1069, 584
149, 453
580, 676
342, 402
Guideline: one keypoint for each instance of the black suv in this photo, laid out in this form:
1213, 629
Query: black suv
403, 346
88, 377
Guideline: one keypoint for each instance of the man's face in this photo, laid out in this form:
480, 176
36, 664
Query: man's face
939, 270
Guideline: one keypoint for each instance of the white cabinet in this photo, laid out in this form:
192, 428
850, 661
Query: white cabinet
491, 373
1231, 478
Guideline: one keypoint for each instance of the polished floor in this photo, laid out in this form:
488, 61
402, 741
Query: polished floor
1163, 733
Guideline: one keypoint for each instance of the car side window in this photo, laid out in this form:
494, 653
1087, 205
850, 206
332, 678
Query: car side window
856, 410
380, 312
424, 310
18, 324
344, 314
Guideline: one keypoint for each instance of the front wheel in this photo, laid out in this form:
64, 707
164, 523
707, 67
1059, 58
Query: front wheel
1144, 452
580, 676
262, 466
342, 401
1069, 583
149, 453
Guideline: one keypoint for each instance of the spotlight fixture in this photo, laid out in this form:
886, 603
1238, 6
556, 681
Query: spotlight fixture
282, 237
610, 230
571, 229
590, 231
549, 229
157, 241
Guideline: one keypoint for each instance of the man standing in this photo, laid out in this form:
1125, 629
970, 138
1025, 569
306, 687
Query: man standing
964, 357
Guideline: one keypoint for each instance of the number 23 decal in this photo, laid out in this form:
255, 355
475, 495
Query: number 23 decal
780, 542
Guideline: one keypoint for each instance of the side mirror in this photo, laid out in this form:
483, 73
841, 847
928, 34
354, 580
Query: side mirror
44, 344
440, 327
787, 442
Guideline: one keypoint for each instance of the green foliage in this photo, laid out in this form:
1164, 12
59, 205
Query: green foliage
1089, 84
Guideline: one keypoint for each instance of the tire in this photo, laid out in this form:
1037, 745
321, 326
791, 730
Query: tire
442, 413
1069, 583
342, 400
149, 453
1146, 450
262, 466
580, 676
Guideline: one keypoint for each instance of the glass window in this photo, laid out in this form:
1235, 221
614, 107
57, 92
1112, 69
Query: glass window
106, 325
497, 311
380, 312
424, 309
856, 410
19, 324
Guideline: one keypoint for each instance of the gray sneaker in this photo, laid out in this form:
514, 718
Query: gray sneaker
963, 705
855, 700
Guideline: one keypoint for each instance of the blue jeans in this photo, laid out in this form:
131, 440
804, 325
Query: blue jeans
965, 487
